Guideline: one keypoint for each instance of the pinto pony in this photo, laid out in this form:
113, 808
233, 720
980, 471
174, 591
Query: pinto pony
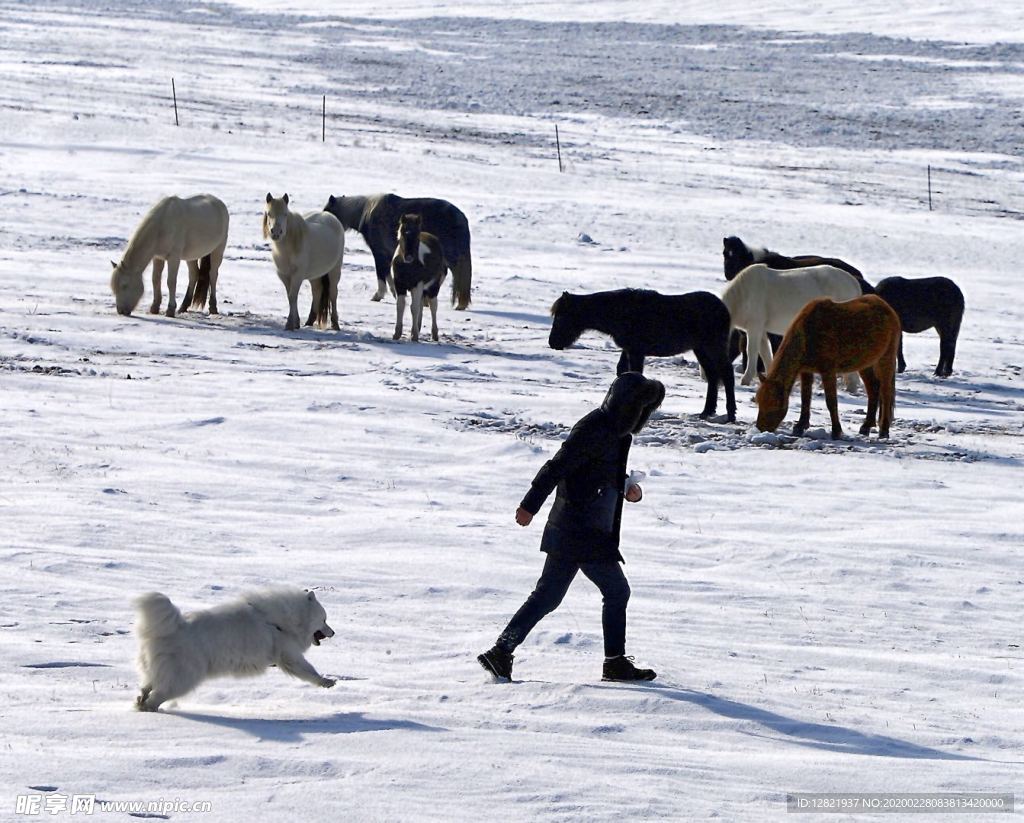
418, 267
306, 248
193, 229
925, 303
830, 338
763, 301
645, 323
376, 218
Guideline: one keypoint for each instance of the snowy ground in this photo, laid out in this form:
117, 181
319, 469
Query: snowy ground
824, 616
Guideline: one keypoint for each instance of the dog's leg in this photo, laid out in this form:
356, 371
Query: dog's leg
298, 666
141, 700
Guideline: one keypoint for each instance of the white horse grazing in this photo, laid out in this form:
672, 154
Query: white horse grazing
194, 229
306, 248
762, 300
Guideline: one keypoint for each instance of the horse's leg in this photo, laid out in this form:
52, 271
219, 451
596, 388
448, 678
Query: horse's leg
886, 397
754, 340
216, 258
828, 383
433, 319
871, 386
417, 312
766, 353
172, 285
294, 284
317, 288
158, 272
806, 391
335, 277
399, 311
193, 278
710, 369
382, 263
947, 347
899, 356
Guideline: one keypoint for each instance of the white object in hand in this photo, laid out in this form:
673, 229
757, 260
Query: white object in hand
635, 479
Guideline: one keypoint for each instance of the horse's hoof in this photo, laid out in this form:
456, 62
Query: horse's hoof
170, 312
396, 337
377, 298
154, 310
837, 435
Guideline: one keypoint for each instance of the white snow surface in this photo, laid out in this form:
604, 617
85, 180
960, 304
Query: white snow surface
824, 616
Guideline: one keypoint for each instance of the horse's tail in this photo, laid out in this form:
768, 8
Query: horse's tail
462, 280
202, 283
323, 308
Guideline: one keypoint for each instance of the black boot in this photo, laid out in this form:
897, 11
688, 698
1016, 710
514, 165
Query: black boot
497, 661
621, 668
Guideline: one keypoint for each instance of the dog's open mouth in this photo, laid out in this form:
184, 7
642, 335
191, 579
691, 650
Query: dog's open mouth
318, 636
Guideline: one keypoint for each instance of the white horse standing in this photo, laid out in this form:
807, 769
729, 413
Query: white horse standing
306, 248
762, 300
193, 229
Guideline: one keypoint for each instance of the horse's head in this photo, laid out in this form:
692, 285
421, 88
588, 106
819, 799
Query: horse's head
772, 404
127, 289
409, 226
566, 324
736, 256
275, 217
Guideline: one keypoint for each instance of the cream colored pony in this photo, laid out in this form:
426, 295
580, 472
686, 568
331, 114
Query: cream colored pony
194, 229
306, 248
762, 300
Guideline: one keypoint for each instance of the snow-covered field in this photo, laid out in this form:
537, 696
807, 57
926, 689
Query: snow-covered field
834, 617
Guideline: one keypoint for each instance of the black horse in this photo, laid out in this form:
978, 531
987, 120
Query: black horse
644, 323
925, 303
737, 255
376, 218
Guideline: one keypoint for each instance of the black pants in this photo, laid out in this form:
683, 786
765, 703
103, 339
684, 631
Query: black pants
554, 582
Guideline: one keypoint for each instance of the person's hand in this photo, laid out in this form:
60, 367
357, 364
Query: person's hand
634, 494
523, 517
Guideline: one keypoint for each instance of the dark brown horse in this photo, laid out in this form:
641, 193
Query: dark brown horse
830, 338
924, 303
419, 267
376, 218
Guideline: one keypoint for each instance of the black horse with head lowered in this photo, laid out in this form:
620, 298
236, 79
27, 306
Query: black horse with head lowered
926, 303
644, 323
376, 218
737, 255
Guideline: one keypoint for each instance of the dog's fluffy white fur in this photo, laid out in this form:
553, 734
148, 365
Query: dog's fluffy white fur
267, 628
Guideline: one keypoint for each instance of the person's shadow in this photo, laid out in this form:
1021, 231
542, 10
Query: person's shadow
831, 738
293, 730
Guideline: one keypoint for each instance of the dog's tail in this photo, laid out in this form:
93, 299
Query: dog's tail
157, 616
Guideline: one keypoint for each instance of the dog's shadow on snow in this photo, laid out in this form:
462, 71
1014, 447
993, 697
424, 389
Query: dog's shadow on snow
293, 730
832, 738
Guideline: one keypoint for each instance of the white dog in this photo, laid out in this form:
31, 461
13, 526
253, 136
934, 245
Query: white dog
267, 628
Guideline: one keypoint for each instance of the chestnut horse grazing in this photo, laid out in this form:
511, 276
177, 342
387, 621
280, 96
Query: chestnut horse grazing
830, 338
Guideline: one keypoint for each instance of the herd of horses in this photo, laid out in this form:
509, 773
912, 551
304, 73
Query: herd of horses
789, 316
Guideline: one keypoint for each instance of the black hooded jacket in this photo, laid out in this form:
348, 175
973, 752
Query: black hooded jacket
589, 473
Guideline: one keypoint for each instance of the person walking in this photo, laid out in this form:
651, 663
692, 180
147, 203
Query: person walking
582, 531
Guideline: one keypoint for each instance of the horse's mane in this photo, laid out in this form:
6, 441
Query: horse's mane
296, 234
371, 203
142, 236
